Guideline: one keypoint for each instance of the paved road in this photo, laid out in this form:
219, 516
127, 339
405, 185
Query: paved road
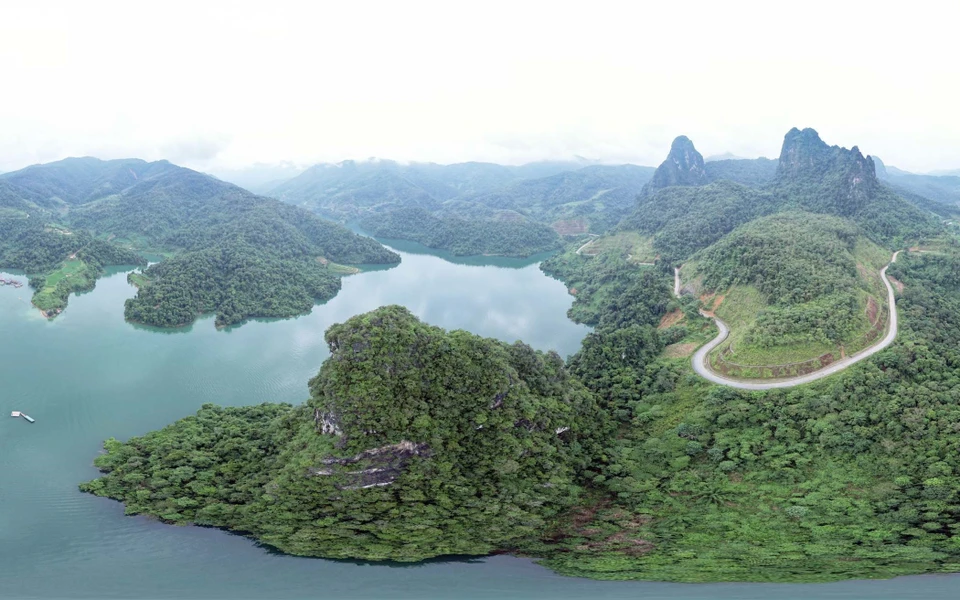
590, 241
700, 358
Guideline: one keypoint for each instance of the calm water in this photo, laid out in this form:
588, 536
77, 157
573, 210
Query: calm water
88, 375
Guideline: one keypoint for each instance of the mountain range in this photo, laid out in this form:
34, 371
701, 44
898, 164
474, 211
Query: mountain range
227, 251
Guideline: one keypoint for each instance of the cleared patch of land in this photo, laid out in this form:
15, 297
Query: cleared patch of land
680, 349
636, 248
670, 319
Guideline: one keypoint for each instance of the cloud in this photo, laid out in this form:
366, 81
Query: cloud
198, 151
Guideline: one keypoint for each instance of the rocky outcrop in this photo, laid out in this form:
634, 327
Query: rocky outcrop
804, 155
376, 467
327, 421
825, 178
683, 166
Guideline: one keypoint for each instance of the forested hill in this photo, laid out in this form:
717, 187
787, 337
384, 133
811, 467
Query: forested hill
810, 176
938, 193
233, 253
185, 210
75, 181
570, 197
463, 237
415, 443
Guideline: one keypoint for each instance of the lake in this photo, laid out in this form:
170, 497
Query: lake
88, 375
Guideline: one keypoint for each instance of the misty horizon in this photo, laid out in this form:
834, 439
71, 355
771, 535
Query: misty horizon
228, 89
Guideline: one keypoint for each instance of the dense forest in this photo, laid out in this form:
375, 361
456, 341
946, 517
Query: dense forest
856, 476
519, 238
416, 442
233, 253
756, 172
236, 281
570, 197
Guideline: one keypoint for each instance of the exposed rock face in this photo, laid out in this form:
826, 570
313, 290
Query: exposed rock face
376, 467
805, 155
684, 166
846, 177
328, 423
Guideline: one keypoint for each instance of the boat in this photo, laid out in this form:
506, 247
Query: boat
25, 416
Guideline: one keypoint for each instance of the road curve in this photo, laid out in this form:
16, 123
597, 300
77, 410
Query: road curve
700, 357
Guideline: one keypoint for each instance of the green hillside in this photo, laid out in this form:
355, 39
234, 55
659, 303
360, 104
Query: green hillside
463, 237
233, 253
793, 288
466, 446
58, 260
569, 197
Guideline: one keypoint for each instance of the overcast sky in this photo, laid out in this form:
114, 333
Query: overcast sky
211, 85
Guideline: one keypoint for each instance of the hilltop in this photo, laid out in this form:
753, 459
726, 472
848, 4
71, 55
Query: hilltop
227, 250
758, 254
473, 441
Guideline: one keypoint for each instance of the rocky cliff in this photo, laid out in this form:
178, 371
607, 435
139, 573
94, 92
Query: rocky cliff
683, 166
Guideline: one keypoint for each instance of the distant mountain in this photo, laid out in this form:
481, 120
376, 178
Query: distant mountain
683, 166
810, 175
75, 181
235, 253
347, 189
567, 195
463, 237
599, 194
945, 172
938, 193
724, 156
259, 178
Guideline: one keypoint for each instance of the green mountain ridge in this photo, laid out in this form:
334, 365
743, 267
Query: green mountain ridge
463, 237
228, 243
811, 176
569, 196
937, 193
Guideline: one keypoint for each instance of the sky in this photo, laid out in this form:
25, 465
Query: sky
213, 85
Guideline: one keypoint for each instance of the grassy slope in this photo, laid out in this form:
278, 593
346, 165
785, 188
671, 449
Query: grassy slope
743, 305
634, 247
72, 276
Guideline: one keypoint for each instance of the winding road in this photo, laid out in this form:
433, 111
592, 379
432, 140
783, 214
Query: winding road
702, 368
